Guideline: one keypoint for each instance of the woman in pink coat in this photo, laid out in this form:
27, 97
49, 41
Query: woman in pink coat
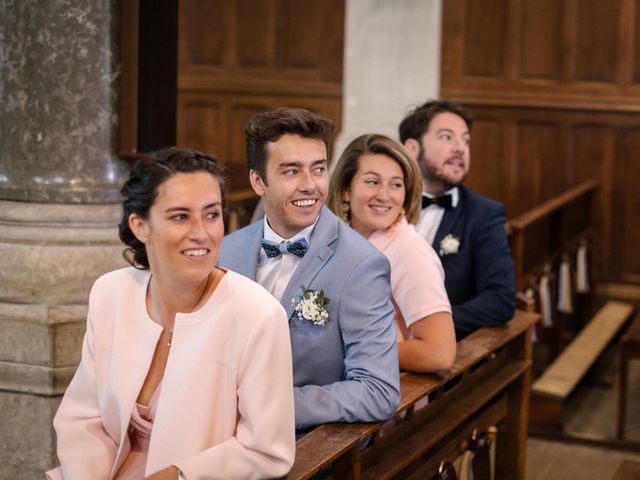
186, 367
376, 187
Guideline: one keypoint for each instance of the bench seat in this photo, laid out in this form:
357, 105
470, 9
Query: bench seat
560, 379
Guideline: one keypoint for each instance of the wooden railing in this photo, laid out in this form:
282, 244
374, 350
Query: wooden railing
542, 234
488, 385
540, 239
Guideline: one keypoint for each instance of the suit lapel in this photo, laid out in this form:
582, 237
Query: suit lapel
324, 233
450, 220
248, 262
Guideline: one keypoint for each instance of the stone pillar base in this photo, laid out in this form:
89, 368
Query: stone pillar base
51, 255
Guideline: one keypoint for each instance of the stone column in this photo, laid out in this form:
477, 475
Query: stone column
59, 194
392, 62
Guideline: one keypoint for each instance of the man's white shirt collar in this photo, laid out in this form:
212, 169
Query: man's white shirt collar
274, 273
272, 236
431, 216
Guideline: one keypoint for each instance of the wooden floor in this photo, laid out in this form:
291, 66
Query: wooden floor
592, 411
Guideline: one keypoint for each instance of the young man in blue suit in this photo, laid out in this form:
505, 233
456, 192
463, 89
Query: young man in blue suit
465, 228
345, 360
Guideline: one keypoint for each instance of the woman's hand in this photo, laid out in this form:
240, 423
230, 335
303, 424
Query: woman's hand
169, 473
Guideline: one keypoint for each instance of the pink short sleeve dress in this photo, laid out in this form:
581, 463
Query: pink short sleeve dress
417, 276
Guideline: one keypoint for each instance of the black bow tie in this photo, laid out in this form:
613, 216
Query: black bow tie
273, 249
445, 201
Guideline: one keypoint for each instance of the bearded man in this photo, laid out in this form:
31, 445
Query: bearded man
466, 229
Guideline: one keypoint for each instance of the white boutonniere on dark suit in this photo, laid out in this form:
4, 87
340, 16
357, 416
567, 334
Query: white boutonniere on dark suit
449, 245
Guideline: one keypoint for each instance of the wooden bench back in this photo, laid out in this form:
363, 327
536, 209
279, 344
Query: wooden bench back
542, 234
487, 385
539, 239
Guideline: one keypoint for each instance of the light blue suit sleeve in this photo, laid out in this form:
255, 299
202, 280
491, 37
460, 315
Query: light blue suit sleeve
370, 390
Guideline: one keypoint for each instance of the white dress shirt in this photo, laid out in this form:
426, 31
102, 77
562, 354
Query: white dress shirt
274, 273
431, 216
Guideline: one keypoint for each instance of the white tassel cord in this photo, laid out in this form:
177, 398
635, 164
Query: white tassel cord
534, 332
582, 270
564, 288
545, 302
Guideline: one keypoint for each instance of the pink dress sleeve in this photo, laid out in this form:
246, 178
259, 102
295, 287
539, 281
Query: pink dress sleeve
417, 276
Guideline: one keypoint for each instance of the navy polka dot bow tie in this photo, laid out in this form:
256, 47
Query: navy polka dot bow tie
273, 249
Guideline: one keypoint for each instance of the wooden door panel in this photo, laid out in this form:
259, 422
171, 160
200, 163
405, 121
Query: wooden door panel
241, 57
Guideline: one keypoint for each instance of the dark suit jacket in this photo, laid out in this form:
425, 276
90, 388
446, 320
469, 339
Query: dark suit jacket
479, 278
346, 370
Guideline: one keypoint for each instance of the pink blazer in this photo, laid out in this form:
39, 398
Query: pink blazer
226, 405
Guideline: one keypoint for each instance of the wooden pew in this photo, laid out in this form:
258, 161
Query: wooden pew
487, 385
538, 239
627, 470
629, 350
551, 391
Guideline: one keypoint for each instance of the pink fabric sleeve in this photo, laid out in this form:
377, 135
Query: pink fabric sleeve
417, 276
264, 444
85, 450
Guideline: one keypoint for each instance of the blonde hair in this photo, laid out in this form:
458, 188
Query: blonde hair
373, 143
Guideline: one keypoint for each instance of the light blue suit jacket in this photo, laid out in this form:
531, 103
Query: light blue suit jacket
346, 370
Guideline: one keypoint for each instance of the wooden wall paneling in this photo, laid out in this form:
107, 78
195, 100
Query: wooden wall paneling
597, 37
591, 148
297, 22
592, 155
205, 42
241, 57
569, 110
255, 38
625, 233
240, 110
541, 162
553, 53
202, 124
626, 39
488, 172
485, 38
214, 123
635, 62
540, 58
453, 41
309, 36
510, 151
569, 37
513, 41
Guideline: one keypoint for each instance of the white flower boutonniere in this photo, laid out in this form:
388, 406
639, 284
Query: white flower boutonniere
311, 306
449, 245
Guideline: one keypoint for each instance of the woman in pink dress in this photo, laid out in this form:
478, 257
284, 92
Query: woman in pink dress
376, 188
186, 367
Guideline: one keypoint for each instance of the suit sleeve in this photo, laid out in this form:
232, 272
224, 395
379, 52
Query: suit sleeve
494, 277
370, 390
264, 443
85, 450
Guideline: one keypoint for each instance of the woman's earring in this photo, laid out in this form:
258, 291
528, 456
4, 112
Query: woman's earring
401, 215
345, 210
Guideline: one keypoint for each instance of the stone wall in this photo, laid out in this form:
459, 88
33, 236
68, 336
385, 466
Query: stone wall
59, 206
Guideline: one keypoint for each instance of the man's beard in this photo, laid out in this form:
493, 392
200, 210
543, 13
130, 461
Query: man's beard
437, 181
